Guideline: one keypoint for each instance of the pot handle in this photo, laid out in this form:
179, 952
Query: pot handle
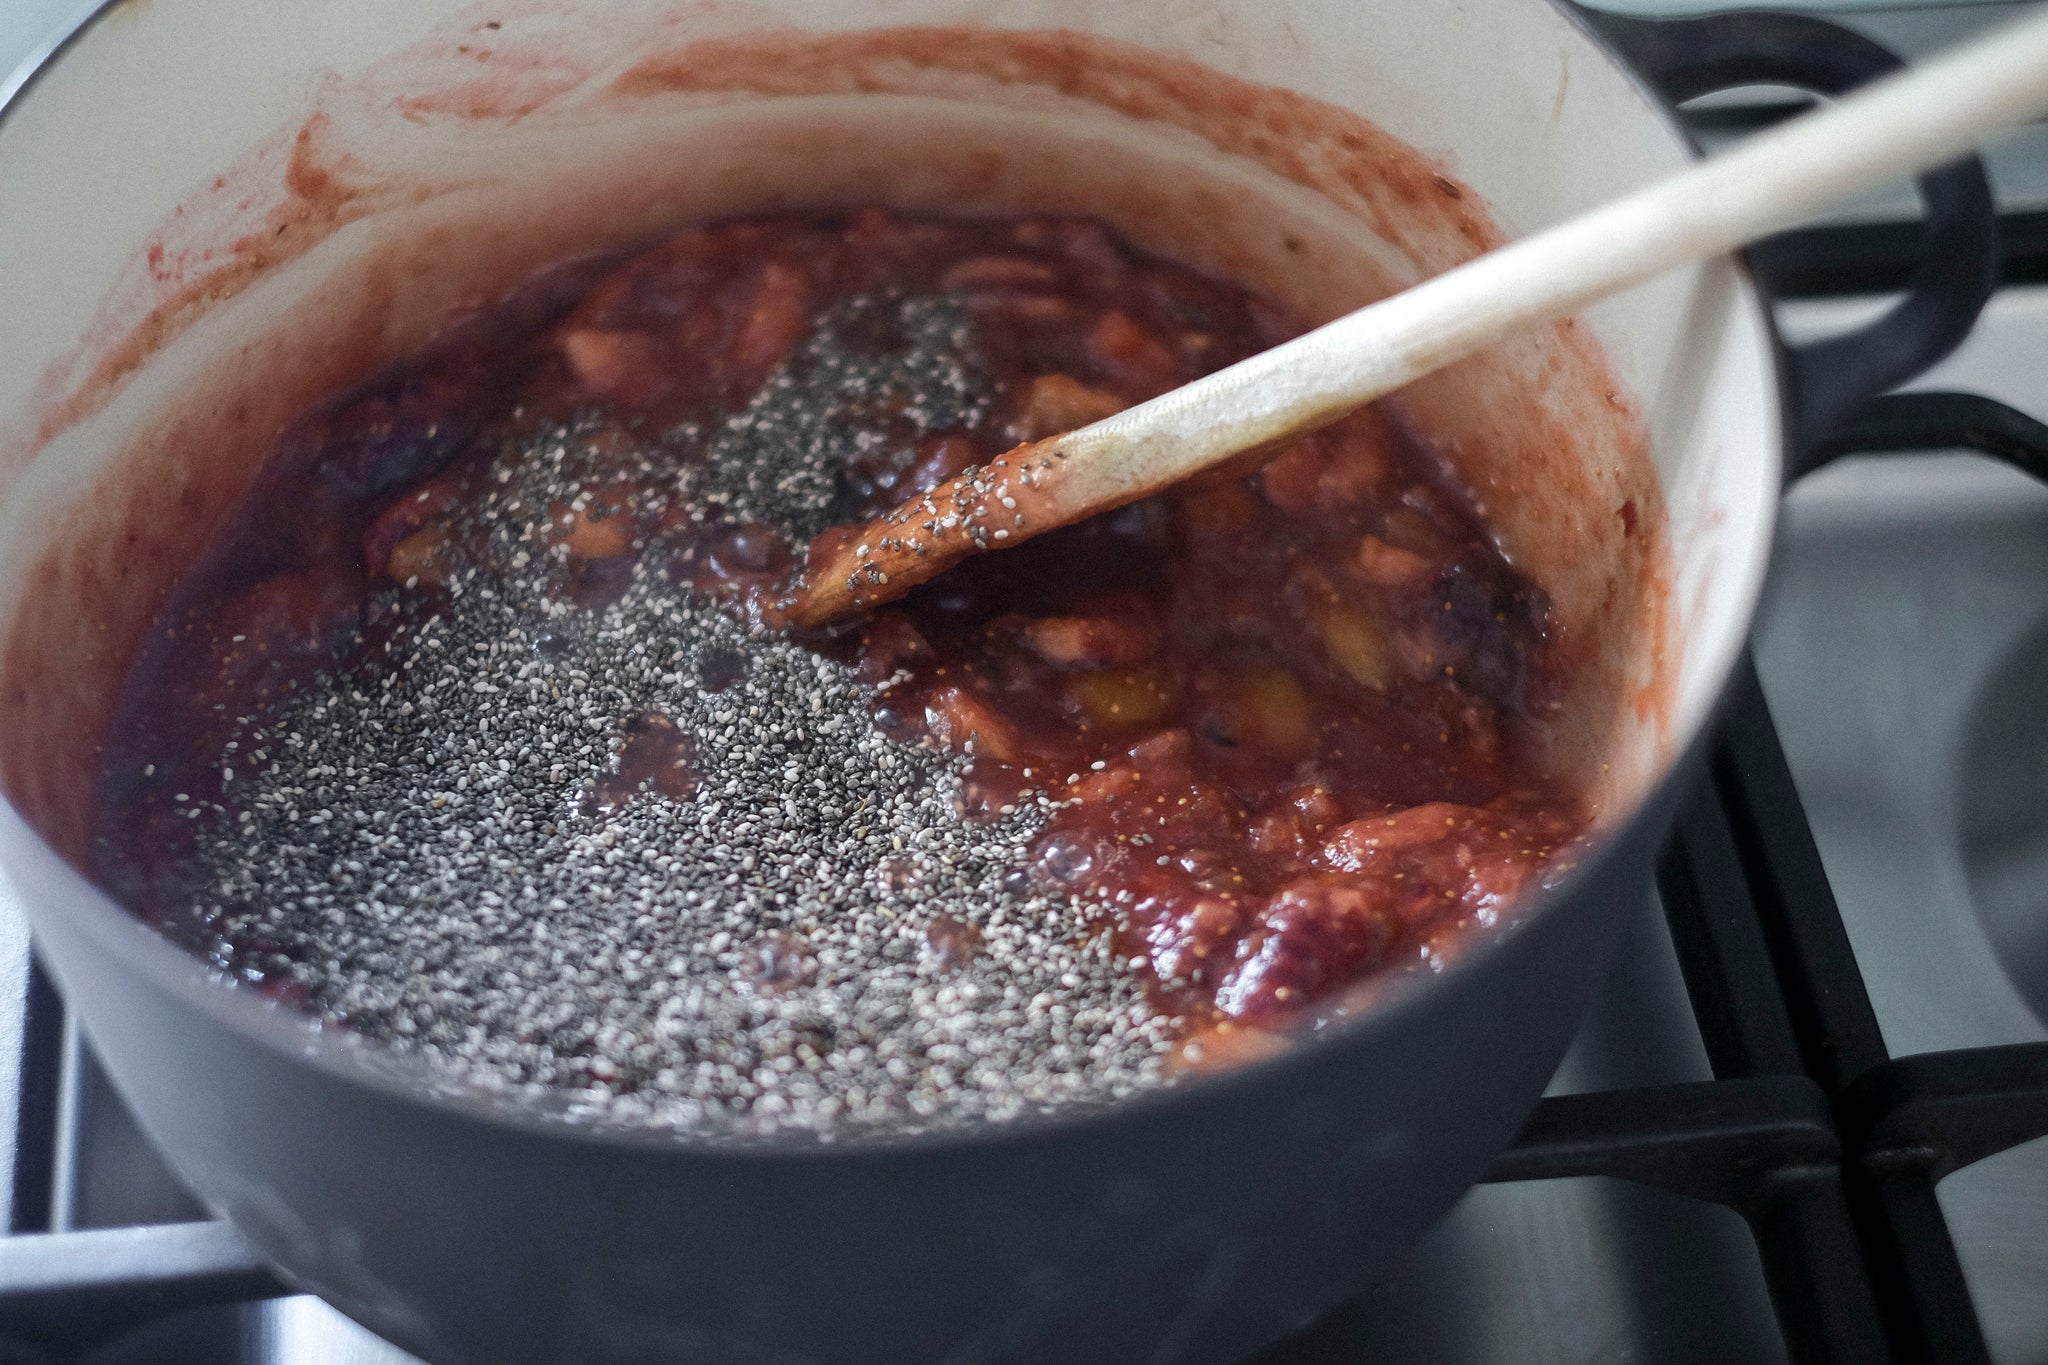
1827, 381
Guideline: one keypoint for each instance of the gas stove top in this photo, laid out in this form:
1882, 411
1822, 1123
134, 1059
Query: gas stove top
1807, 1121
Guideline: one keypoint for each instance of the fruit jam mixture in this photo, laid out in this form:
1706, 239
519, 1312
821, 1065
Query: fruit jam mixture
475, 731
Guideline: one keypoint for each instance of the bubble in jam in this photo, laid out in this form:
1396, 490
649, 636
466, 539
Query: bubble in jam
654, 758
989, 791
720, 668
950, 943
777, 962
1062, 858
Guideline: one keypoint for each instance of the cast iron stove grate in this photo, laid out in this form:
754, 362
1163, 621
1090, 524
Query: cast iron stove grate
1828, 1148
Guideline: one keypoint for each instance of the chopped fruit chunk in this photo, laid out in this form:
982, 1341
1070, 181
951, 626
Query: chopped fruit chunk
1389, 566
1089, 641
1356, 646
1265, 708
590, 532
1291, 480
772, 317
1012, 307
957, 717
1133, 356
625, 367
977, 272
1276, 835
1057, 403
1226, 1046
1220, 512
1358, 843
1195, 937
406, 515
1361, 459
420, 559
1317, 809
1310, 936
1124, 697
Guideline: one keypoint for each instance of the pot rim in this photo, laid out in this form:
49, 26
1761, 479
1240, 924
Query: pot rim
399, 1075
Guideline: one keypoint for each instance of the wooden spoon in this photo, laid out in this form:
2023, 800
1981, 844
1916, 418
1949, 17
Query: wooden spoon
1903, 123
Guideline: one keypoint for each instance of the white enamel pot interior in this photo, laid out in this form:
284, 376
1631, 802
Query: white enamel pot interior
218, 210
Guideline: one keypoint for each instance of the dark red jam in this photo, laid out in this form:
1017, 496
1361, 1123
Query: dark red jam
1289, 712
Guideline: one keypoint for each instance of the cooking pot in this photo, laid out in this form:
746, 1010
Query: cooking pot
220, 209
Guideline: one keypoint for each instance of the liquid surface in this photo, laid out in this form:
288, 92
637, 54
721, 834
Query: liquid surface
473, 731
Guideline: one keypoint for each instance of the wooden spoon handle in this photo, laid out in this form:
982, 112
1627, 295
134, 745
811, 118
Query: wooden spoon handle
1902, 123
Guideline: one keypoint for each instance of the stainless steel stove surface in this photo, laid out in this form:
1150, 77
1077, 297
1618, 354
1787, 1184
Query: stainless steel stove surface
1905, 654
1751, 1203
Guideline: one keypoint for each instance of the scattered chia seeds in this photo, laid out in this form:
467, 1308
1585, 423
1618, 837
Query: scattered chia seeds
778, 459
466, 736
650, 856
